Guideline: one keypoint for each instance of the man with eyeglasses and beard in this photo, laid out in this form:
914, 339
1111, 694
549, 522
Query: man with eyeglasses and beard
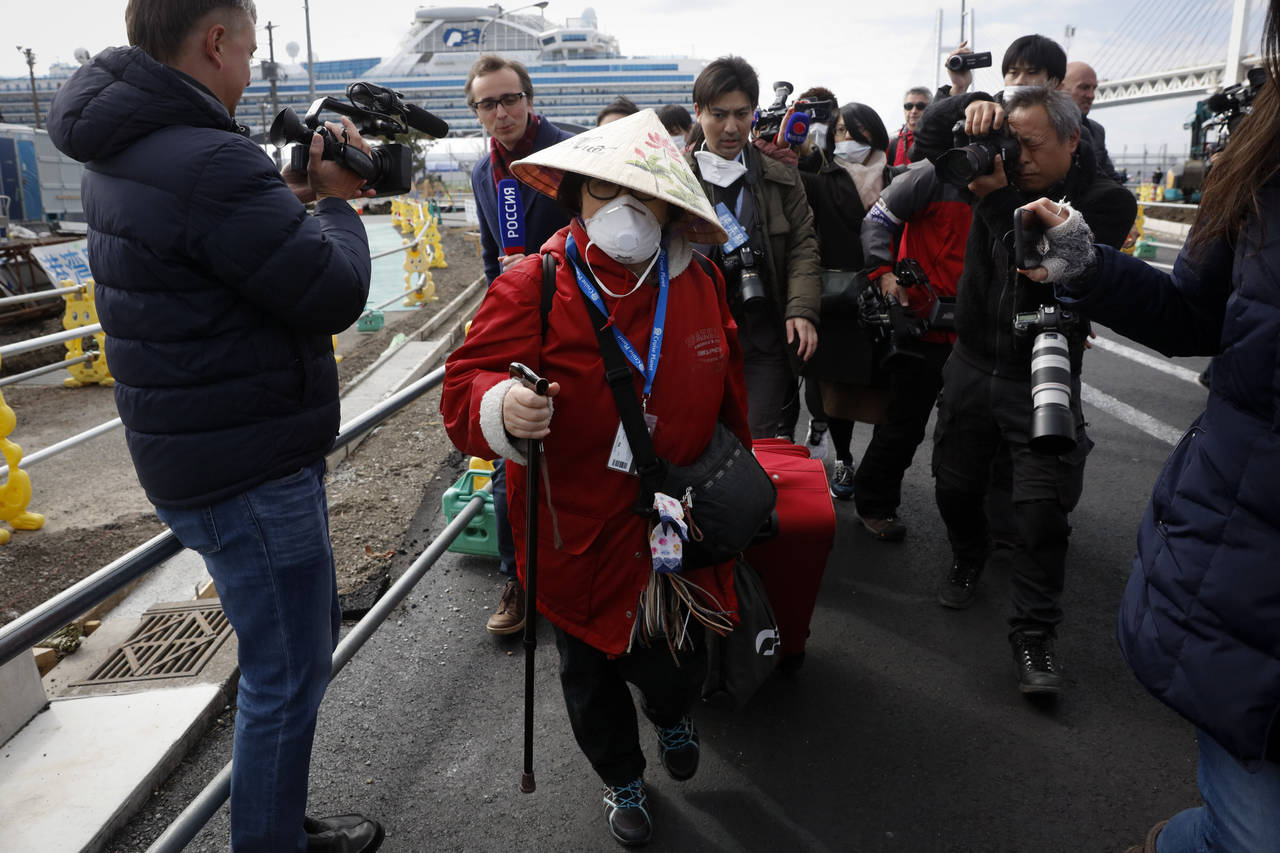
500, 93
913, 106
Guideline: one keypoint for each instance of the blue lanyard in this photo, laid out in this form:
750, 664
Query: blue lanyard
659, 315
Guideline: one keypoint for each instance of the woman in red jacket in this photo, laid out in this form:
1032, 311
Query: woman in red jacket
637, 208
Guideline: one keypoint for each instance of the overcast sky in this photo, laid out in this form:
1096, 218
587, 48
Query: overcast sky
854, 49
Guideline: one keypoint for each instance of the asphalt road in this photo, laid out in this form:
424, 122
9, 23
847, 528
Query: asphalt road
904, 731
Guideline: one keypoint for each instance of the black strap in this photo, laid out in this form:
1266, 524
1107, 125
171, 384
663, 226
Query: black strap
617, 373
548, 288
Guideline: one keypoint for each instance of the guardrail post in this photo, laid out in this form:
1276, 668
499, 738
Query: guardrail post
15, 493
83, 311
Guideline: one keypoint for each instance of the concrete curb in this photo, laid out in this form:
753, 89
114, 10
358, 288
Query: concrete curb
140, 731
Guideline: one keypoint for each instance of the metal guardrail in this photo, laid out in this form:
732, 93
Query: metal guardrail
197, 813
66, 444
33, 626
48, 368
36, 295
49, 340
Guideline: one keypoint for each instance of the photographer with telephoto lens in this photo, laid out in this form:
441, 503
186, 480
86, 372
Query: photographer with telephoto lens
986, 399
1200, 619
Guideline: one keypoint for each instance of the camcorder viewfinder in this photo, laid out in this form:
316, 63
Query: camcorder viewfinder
789, 125
975, 156
376, 111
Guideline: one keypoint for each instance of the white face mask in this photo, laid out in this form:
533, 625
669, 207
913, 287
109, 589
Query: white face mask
625, 230
852, 150
677, 139
818, 135
717, 170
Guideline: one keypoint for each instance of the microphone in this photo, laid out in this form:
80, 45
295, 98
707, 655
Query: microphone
428, 123
796, 129
511, 216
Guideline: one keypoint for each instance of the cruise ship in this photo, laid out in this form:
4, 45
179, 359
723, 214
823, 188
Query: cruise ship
576, 69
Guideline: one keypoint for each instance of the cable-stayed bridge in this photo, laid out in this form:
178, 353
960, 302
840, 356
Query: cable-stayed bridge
1173, 48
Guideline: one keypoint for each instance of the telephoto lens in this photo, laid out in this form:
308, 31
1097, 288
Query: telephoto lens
1053, 426
751, 288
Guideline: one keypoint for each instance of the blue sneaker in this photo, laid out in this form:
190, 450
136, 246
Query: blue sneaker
626, 808
679, 749
842, 482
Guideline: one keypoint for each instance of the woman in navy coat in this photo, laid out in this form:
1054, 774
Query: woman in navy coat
1200, 619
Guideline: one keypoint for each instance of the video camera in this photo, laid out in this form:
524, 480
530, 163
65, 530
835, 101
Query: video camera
887, 320
1235, 102
975, 156
376, 111
969, 61
789, 125
1053, 426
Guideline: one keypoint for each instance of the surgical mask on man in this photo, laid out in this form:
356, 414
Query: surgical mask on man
625, 230
677, 139
852, 150
717, 170
818, 135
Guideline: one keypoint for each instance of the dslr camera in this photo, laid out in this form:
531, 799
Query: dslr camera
745, 261
888, 321
376, 111
1053, 426
974, 156
789, 125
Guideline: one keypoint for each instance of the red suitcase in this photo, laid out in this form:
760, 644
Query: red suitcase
791, 564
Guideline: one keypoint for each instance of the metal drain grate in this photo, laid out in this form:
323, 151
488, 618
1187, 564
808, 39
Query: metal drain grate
173, 641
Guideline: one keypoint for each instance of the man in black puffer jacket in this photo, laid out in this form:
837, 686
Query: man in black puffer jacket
218, 293
985, 405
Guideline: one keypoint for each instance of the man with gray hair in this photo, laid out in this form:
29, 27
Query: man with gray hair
914, 104
986, 403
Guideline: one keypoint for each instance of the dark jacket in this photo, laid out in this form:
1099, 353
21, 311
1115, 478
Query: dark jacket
217, 292
791, 247
1200, 619
991, 292
1096, 135
542, 216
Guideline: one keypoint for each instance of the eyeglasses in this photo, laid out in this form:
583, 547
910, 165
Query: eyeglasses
508, 100
602, 190
915, 105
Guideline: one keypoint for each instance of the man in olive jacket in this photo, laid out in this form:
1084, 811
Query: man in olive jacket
771, 266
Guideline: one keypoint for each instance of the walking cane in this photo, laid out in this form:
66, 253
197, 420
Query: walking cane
538, 385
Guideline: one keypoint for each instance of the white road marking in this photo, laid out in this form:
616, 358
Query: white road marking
1134, 417
1146, 359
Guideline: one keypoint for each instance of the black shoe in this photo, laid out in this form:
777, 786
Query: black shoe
626, 808
890, 529
959, 588
1034, 662
679, 749
348, 833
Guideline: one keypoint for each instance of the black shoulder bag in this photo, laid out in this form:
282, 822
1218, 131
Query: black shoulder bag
728, 497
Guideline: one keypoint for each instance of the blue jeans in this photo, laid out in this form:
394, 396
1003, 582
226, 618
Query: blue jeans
1241, 811
269, 555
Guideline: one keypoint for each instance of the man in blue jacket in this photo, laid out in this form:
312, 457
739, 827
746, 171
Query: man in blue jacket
218, 293
500, 93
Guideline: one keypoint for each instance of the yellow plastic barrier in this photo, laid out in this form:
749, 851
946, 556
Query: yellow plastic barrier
435, 241
478, 464
1135, 233
82, 311
15, 492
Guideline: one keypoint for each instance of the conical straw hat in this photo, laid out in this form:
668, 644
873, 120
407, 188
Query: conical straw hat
634, 152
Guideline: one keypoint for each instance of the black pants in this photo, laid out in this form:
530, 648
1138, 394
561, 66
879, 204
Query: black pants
601, 711
977, 412
913, 392
766, 368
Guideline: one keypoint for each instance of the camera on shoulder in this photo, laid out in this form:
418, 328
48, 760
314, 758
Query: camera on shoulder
376, 111
972, 157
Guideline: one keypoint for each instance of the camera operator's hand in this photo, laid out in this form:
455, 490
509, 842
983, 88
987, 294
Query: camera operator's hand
526, 414
888, 284
781, 153
983, 117
960, 80
1071, 256
987, 184
508, 260
801, 330
327, 178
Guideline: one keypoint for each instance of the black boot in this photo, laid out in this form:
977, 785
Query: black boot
960, 587
1034, 662
348, 833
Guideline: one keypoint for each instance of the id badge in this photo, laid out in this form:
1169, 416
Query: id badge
621, 458
732, 227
